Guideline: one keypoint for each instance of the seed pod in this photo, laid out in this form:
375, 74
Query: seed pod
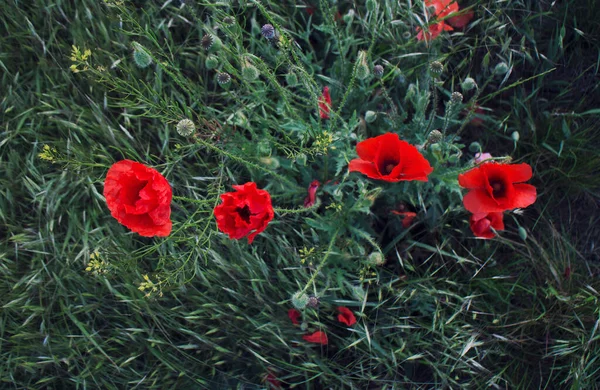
378, 70
436, 68
211, 62
185, 127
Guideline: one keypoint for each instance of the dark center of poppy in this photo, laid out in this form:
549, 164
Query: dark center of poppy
387, 167
498, 188
244, 213
132, 192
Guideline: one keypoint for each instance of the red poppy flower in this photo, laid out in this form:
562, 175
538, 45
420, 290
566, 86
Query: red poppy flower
407, 217
311, 198
317, 337
388, 158
139, 197
481, 224
433, 31
442, 8
460, 21
496, 187
325, 104
245, 212
346, 316
294, 315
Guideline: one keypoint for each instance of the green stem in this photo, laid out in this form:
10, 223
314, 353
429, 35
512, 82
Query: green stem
299, 210
320, 267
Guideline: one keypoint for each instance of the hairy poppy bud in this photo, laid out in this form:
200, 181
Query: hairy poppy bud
371, 5
249, 72
299, 300
349, 16
291, 79
475, 147
185, 127
522, 233
370, 116
515, 136
501, 69
362, 68
376, 258
211, 62
141, 57
436, 68
468, 84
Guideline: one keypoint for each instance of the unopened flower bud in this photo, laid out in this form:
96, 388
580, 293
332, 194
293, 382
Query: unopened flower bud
436, 68
211, 62
299, 300
291, 79
522, 233
185, 127
515, 136
475, 147
362, 68
501, 69
249, 72
141, 57
268, 31
468, 84
376, 258
270, 162
456, 98
370, 116
349, 16
378, 70
371, 5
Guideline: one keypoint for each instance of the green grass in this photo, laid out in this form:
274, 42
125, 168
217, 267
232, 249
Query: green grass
445, 311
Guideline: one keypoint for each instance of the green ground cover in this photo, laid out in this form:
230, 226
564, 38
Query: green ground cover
85, 303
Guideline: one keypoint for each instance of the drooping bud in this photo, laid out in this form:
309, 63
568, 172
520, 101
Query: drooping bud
522, 233
141, 57
299, 300
501, 69
468, 84
370, 116
249, 71
515, 136
185, 127
349, 16
475, 147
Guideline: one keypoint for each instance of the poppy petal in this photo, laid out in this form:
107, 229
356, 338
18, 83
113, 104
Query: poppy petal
364, 167
519, 173
478, 201
524, 195
317, 337
475, 178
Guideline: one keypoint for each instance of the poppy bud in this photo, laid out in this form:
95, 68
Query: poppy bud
468, 84
376, 258
378, 70
475, 147
362, 68
211, 62
370, 116
515, 136
264, 148
453, 159
185, 127
349, 16
371, 5
249, 72
301, 159
270, 162
299, 300
501, 69
522, 233
435, 148
141, 58
303, 326
436, 68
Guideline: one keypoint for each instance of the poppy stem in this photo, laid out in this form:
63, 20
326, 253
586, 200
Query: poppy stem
322, 264
298, 211
197, 201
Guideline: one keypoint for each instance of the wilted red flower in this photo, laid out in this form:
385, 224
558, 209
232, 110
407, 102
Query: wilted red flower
245, 212
317, 337
407, 217
460, 21
481, 224
346, 316
311, 198
388, 158
294, 315
139, 197
325, 104
494, 187
272, 380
